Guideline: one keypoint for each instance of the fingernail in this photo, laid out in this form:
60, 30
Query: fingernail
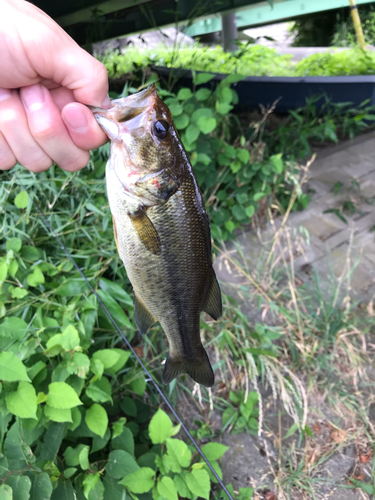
76, 120
4, 94
33, 97
107, 104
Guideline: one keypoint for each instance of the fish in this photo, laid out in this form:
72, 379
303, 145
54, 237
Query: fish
161, 229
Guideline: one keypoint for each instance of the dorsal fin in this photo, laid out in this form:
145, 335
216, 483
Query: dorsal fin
213, 305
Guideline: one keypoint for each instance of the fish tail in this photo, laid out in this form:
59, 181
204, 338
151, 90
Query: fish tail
199, 369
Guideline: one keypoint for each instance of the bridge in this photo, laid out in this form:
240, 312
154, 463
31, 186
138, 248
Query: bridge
89, 21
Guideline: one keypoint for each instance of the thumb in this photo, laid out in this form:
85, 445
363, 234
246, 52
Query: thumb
84, 75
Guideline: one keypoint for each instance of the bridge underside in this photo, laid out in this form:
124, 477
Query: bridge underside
89, 21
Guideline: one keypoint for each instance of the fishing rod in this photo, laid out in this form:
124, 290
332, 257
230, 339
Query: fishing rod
149, 376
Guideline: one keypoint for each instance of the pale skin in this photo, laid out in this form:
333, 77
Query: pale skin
45, 81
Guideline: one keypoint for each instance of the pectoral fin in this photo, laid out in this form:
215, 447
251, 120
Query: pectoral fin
213, 305
146, 231
143, 318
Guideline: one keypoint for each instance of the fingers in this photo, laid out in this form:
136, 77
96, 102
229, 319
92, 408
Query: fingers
16, 133
82, 126
35, 132
48, 129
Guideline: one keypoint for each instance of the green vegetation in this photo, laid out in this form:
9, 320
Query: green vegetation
347, 62
334, 28
249, 60
77, 417
74, 408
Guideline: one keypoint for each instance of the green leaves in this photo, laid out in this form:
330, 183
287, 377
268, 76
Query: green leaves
214, 451
116, 291
23, 401
66, 341
20, 485
192, 133
11, 368
203, 94
115, 310
89, 483
167, 489
277, 163
179, 452
140, 481
175, 107
36, 277
243, 155
100, 391
181, 121
184, 94
21, 199
200, 78
62, 396
58, 415
120, 464
160, 427
206, 125
97, 419
14, 244
13, 327
74, 456
41, 487
6, 492
71, 288
108, 357
198, 482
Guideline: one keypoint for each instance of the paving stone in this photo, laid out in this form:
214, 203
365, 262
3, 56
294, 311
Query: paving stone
322, 226
245, 465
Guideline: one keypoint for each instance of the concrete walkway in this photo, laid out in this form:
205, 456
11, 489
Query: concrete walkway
342, 176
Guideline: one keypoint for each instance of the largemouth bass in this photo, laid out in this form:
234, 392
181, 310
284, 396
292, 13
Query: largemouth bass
161, 229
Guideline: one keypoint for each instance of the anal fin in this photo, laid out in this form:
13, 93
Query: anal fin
146, 231
143, 318
213, 305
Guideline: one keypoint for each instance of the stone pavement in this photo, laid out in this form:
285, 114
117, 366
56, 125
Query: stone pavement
342, 173
334, 246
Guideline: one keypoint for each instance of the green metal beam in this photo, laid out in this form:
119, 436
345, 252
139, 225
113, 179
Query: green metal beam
262, 13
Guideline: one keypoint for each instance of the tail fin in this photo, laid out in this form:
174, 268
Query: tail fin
199, 370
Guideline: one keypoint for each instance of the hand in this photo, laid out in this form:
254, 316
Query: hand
45, 121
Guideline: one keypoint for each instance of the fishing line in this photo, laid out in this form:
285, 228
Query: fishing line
149, 376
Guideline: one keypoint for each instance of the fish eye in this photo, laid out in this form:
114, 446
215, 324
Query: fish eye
161, 128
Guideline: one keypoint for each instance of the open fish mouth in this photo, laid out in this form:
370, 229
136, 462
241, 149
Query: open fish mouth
127, 108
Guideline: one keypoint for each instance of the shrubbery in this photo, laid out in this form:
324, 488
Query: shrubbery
249, 60
74, 409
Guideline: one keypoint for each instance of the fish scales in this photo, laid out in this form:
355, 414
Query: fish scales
163, 235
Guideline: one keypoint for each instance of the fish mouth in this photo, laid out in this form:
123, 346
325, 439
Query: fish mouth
126, 108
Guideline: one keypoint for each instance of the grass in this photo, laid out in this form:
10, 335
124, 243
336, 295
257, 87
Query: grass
308, 342
324, 346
